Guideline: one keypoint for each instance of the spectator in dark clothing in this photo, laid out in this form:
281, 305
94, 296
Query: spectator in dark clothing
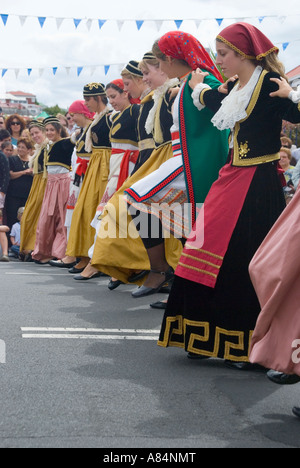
4, 181
20, 181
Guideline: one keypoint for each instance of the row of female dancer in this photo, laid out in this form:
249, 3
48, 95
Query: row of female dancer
183, 188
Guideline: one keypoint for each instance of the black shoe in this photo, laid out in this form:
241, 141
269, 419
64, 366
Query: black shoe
296, 411
196, 356
76, 271
145, 291
114, 284
159, 305
243, 366
83, 278
61, 264
281, 378
137, 276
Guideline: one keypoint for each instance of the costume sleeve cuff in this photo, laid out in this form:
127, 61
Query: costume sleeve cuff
295, 96
197, 95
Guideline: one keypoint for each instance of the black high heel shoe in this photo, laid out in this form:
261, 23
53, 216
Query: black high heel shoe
114, 284
145, 291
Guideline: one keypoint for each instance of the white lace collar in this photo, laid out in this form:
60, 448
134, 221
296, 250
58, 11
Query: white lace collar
157, 97
233, 108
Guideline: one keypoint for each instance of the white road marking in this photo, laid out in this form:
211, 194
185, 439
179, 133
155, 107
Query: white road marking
89, 333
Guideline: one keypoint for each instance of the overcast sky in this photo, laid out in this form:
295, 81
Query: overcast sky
30, 46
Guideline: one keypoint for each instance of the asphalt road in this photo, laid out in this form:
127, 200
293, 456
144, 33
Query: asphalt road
82, 369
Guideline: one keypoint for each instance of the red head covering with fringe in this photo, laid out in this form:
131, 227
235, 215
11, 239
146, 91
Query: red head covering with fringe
247, 40
184, 46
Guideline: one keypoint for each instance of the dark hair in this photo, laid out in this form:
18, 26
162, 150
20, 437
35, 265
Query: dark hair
6, 144
115, 87
17, 117
161, 56
25, 142
4, 134
103, 98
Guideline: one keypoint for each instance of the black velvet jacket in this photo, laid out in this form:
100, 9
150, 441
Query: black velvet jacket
256, 139
60, 153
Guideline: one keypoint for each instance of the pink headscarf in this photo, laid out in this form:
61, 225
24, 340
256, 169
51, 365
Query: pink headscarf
79, 107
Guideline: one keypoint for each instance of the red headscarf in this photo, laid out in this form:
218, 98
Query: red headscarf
183, 46
119, 82
247, 40
79, 107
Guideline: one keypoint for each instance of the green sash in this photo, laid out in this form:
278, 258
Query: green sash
204, 147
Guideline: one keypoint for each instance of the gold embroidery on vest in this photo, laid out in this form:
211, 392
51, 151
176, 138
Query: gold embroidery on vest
243, 150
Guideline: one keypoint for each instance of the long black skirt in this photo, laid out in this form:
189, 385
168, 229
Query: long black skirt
219, 322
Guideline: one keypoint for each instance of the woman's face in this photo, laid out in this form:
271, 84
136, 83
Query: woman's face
132, 86
166, 66
51, 133
91, 103
37, 135
284, 159
119, 101
153, 76
8, 151
228, 60
15, 125
79, 119
23, 151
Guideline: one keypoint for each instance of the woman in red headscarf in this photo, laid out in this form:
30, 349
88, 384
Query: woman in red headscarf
199, 151
83, 119
213, 308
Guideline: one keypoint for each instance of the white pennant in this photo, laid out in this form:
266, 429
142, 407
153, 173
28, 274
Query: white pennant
281, 19
158, 24
68, 70
17, 71
22, 20
41, 71
59, 22
120, 24
89, 24
197, 23
93, 69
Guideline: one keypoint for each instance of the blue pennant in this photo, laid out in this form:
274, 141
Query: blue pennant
77, 22
54, 69
285, 45
4, 71
106, 69
79, 70
4, 19
42, 20
139, 23
178, 23
261, 18
101, 23
219, 21
29, 70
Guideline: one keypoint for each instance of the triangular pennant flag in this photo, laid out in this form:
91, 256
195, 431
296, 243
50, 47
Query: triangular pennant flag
101, 23
261, 18
54, 70
219, 21
4, 70
29, 70
285, 45
22, 20
59, 22
41, 71
120, 24
282, 19
93, 69
42, 20
77, 22
106, 69
158, 24
4, 19
178, 23
198, 22
89, 23
68, 70
17, 71
79, 70
139, 23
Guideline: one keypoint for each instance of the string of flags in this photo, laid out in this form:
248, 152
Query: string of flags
139, 22
101, 23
